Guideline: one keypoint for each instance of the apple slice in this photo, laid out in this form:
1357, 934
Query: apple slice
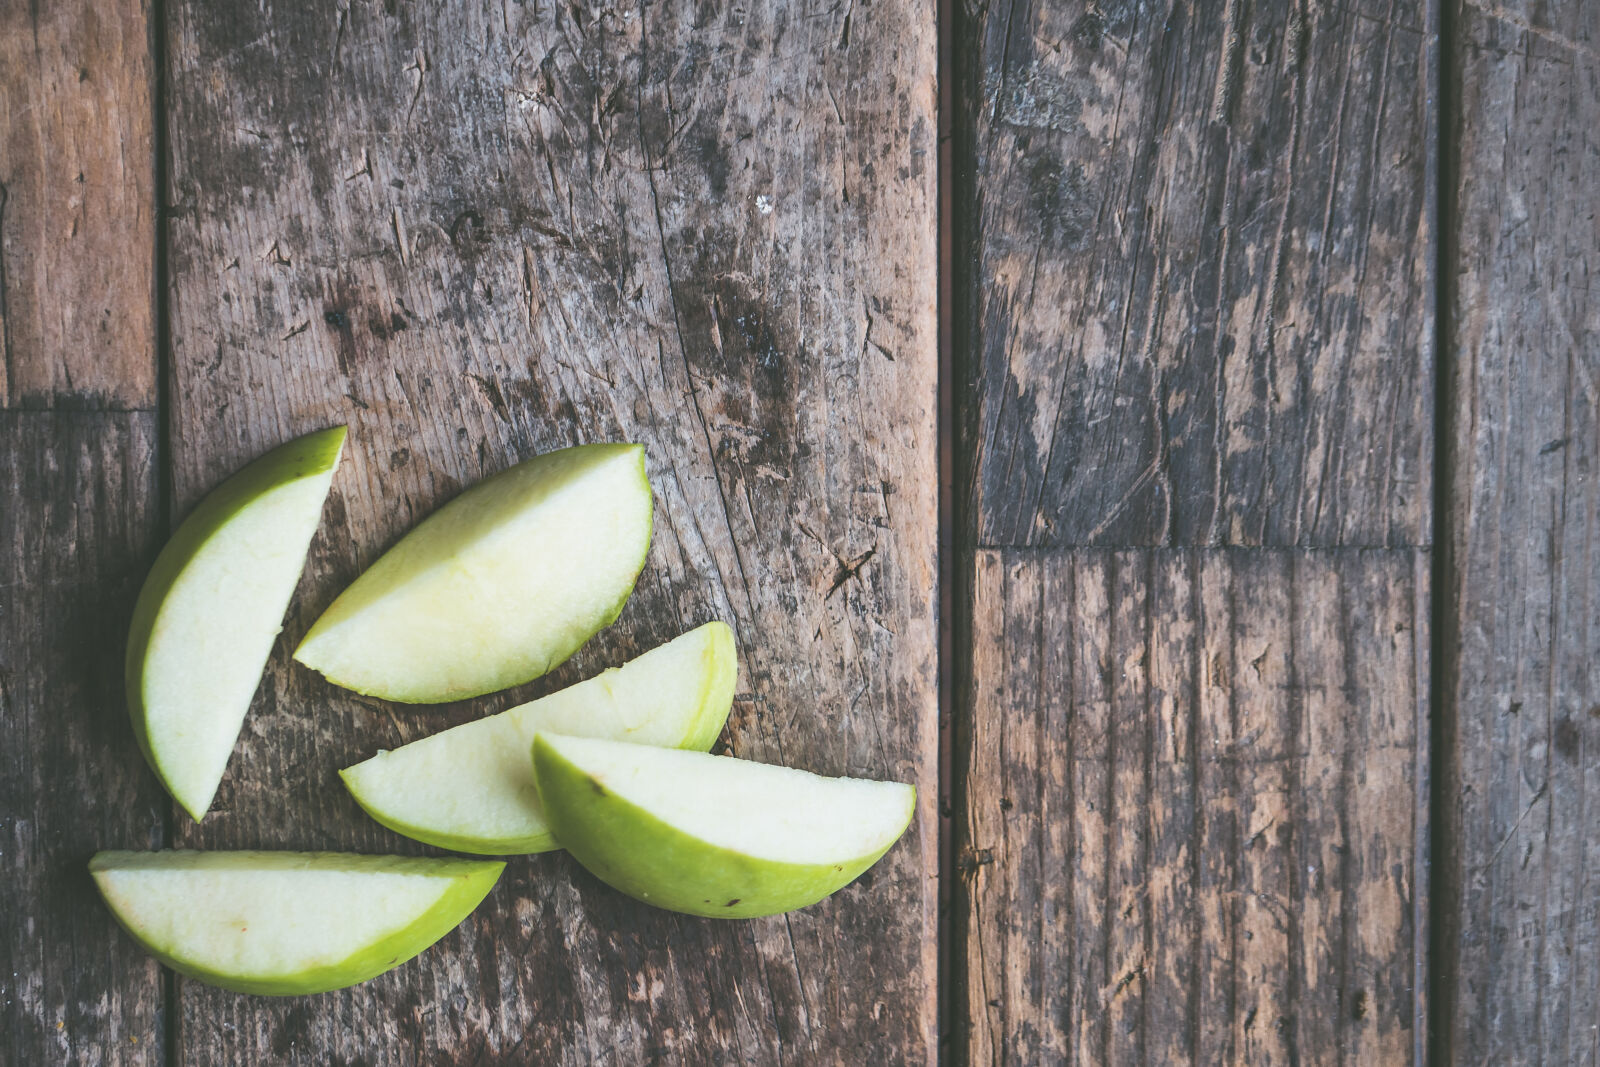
287, 922
712, 835
213, 605
471, 788
498, 586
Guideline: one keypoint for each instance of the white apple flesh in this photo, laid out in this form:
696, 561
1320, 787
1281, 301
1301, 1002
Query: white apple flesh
712, 835
212, 607
498, 586
287, 922
471, 788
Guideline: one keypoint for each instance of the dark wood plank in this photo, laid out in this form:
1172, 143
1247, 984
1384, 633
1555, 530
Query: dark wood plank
1197, 258
1201, 257
1200, 842
76, 533
1524, 842
77, 206
480, 230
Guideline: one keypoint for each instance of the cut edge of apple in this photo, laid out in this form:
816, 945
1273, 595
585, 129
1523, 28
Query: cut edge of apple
702, 727
311, 456
599, 815
468, 882
527, 845
326, 646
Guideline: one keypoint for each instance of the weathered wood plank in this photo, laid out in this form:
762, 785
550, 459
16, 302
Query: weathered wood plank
76, 531
1201, 277
77, 206
1196, 837
1523, 855
1197, 262
79, 518
480, 230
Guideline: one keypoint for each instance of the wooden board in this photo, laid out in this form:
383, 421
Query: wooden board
1198, 259
1522, 849
76, 534
1194, 806
484, 230
77, 206
1201, 282
80, 513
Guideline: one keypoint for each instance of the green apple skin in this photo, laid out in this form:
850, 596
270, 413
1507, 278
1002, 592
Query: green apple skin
701, 732
637, 853
720, 685
310, 456
525, 845
436, 542
473, 881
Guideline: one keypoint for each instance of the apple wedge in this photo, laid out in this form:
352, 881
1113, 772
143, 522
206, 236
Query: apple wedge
712, 835
211, 608
287, 922
471, 788
498, 586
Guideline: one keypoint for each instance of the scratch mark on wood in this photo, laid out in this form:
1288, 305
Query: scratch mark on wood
849, 569
1544, 33
1538, 797
1228, 67
400, 237
366, 167
420, 67
338, 36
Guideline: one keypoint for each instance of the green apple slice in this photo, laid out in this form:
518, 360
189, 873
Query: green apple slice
498, 586
471, 788
712, 835
287, 922
212, 607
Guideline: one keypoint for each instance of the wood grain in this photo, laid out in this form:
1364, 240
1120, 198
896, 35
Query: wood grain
77, 206
477, 231
80, 513
1523, 846
1201, 254
1195, 841
1197, 247
76, 534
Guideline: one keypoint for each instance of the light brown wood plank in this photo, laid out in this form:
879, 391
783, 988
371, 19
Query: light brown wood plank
483, 230
1523, 844
1197, 249
1247, 725
77, 206
76, 531
1220, 867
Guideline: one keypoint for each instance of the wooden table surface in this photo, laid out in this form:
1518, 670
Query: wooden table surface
1165, 432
